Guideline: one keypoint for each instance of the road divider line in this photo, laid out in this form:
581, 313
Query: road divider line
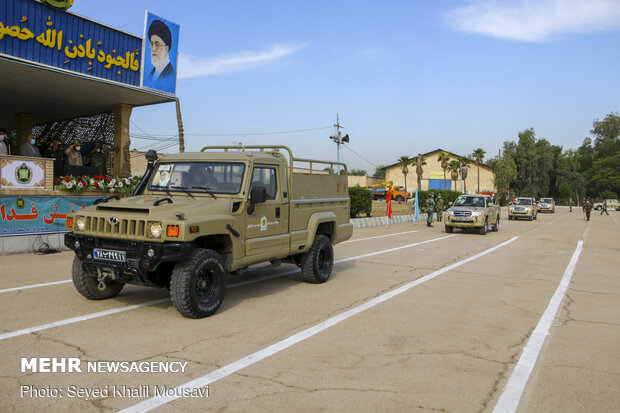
227, 370
510, 398
27, 287
149, 303
377, 236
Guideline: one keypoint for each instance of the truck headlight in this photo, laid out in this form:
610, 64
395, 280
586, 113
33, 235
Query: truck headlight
477, 213
80, 223
155, 229
449, 213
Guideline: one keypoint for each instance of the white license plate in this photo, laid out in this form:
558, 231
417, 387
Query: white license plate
109, 255
458, 219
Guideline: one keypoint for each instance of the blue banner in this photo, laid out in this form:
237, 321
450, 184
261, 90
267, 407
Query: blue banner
27, 215
38, 33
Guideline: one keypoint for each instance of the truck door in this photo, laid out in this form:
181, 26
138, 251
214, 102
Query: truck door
267, 232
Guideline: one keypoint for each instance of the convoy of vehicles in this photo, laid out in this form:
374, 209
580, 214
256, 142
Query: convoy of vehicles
546, 205
523, 207
196, 217
473, 212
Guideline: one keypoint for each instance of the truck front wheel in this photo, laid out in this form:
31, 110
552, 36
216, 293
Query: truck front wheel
317, 263
90, 287
198, 284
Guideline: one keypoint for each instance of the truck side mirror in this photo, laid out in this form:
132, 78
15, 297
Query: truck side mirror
258, 195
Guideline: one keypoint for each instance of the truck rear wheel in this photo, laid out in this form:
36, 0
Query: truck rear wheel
317, 263
88, 285
198, 284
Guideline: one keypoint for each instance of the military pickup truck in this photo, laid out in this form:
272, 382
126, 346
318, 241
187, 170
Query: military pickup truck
473, 211
611, 204
196, 217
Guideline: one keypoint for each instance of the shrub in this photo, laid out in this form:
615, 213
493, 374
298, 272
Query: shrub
361, 200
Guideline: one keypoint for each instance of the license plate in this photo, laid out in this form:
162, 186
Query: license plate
109, 255
461, 219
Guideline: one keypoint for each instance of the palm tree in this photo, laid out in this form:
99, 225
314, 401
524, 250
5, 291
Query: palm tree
419, 161
403, 161
478, 156
443, 158
454, 167
464, 162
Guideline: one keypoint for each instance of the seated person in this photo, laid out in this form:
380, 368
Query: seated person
199, 176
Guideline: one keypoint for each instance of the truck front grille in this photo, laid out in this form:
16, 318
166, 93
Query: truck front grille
459, 213
123, 228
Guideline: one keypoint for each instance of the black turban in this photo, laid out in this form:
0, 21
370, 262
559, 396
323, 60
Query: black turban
160, 29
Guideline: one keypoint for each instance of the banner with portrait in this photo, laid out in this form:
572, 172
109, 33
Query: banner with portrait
160, 53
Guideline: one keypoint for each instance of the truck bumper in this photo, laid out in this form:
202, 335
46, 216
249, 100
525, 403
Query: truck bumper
464, 222
140, 257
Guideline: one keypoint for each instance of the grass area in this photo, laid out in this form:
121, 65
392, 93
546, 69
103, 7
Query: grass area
379, 208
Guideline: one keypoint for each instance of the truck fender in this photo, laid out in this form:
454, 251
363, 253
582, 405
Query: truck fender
319, 218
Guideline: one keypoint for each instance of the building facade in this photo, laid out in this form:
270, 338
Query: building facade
433, 175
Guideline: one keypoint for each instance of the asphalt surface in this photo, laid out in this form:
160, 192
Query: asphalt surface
412, 319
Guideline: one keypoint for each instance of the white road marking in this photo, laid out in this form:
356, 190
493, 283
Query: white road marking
227, 370
509, 400
136, 306
26, 287
378, 236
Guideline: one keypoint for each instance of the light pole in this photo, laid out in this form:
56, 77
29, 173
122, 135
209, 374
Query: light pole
339, 139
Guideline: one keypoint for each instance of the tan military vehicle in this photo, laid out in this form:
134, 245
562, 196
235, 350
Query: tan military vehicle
611, 204
473, 212
546, 205
196, 217
523, 207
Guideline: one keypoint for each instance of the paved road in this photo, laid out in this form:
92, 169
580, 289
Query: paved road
413, 319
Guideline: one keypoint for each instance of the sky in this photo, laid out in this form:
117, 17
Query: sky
404, 77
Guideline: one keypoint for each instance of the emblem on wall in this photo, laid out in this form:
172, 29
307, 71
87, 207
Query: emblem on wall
23, 174
59, 4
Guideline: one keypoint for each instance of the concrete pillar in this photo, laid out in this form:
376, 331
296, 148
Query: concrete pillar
23, 126
122, 115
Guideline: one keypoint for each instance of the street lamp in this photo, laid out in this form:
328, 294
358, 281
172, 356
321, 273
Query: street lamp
339, 139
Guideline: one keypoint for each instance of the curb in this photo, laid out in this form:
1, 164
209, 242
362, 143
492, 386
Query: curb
383, 221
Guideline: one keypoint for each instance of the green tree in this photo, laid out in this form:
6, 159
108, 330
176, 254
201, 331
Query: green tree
464, 161
379, 172
357, 172
504, 172
403, 162
478, 156
454, 166
419, 162
443, 159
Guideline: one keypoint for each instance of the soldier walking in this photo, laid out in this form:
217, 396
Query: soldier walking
430, 208
439, 208
604, 207
587, 208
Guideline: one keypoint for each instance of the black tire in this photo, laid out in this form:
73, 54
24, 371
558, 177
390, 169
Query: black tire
495, 227
198, 284
449, 229
88, 286
400, 198
317, 263
510, 217
485, 228
530, 218
598, 208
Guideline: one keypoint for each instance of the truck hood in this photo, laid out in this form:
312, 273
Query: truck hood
151, 206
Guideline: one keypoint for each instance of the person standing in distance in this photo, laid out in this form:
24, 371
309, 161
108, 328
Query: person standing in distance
604, 207
587, 208
430, 208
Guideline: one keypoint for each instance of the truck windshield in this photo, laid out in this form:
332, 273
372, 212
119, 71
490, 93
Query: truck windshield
197, 177
546, 200
473, 201
523, 201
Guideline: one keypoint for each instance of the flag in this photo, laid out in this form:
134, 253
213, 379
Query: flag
416, 205
388, 199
